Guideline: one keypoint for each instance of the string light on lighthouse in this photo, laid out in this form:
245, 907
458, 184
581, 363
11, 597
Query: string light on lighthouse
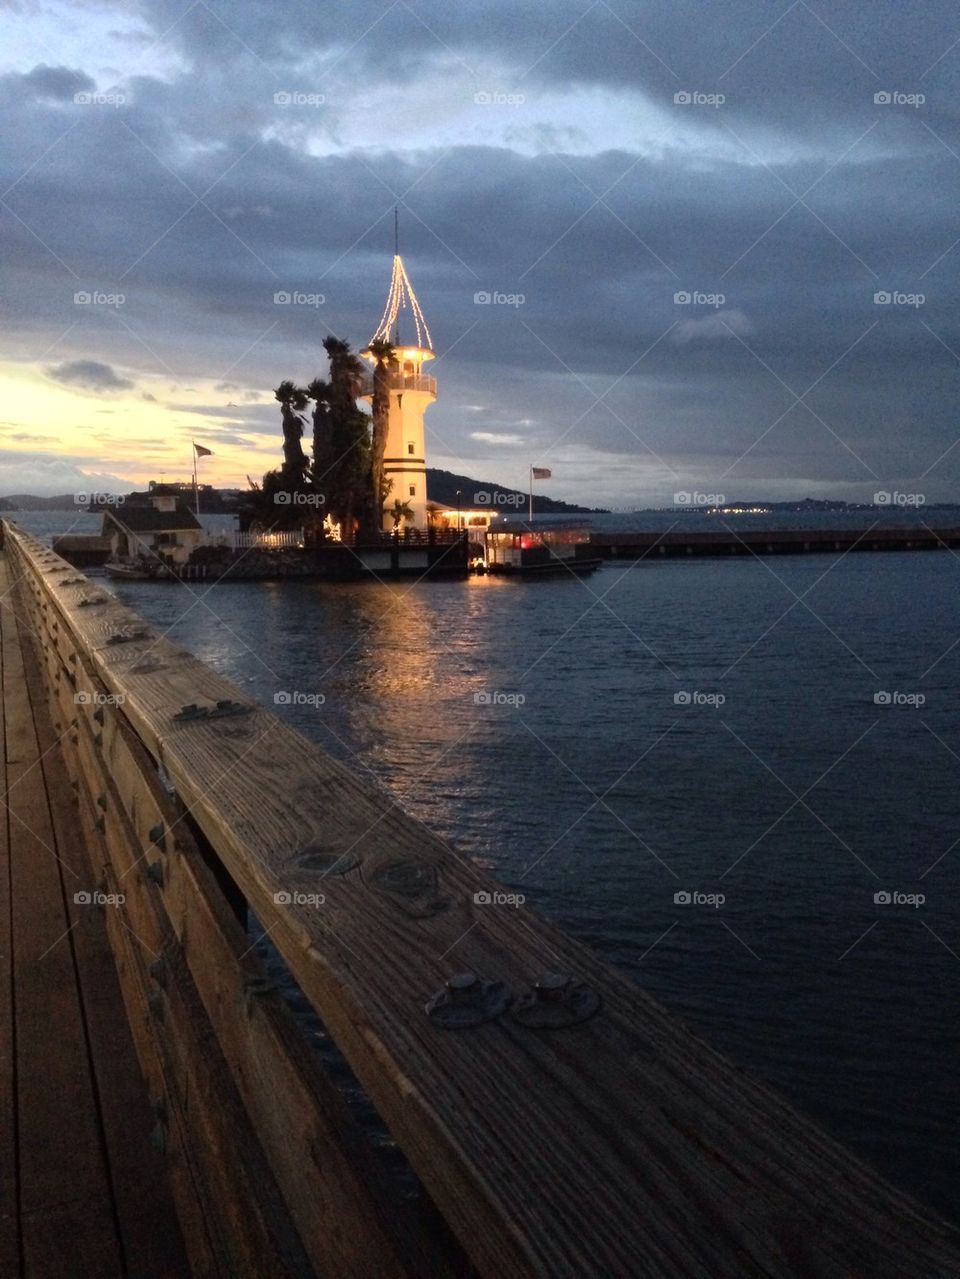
402, 298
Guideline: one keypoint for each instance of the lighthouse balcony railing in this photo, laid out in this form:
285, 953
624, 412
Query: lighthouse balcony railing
432, 536
404, 382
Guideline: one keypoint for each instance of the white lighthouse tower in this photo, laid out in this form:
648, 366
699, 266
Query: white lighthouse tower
411, 394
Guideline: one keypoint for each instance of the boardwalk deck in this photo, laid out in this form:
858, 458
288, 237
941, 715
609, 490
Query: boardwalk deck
153, 1124
82, 1190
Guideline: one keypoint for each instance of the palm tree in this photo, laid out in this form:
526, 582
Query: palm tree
346, 374
348, 473
399, 512
385, 356
293, 400
319, 391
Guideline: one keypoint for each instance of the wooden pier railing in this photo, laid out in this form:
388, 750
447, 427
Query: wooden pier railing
266, 541
582, 1131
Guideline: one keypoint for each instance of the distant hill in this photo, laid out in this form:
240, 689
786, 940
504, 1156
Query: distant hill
806, 504
442, 488
212, 501
30, 502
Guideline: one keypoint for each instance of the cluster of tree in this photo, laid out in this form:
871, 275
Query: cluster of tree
344, 476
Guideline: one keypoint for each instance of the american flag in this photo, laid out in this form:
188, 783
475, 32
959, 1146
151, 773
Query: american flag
541, 472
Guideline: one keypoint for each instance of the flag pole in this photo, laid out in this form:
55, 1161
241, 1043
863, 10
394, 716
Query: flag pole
531, 495
196, 490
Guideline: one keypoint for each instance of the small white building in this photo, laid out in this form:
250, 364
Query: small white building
159, 530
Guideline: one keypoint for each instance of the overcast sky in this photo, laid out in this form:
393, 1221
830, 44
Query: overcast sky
584, 164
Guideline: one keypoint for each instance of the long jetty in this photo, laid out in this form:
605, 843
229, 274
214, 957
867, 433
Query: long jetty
727, 540
164, 1113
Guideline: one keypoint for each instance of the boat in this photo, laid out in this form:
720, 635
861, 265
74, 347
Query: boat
517, 548
138, 570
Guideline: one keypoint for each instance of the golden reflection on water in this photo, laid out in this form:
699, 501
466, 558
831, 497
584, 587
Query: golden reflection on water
423, 654
401, 644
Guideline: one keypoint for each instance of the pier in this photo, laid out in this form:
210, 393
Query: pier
164, 1113
725, 541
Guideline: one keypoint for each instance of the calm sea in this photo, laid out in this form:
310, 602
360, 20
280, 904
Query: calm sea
538, 726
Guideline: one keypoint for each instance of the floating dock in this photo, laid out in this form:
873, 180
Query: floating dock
163, 1113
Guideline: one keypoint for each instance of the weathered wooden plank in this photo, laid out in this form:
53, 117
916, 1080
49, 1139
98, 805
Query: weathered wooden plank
210, 1251
326, 1170
243, 1204
66, 1203
138, 1172
9, 1223
349, 1220
193, 1211
622, 1145
323, 1165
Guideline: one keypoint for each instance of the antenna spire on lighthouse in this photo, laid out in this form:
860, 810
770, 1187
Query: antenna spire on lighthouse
396, 254
401, 297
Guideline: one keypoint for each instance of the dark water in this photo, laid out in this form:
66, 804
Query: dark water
599, 797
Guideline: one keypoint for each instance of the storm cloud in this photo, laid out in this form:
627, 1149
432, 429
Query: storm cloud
89, 374
688, 242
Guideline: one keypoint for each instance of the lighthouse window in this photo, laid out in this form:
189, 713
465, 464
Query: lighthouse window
413, 490
409, 448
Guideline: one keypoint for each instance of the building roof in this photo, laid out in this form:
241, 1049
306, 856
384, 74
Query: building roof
146, 519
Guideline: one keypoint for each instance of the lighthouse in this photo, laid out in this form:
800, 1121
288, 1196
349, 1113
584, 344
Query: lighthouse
411, 393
